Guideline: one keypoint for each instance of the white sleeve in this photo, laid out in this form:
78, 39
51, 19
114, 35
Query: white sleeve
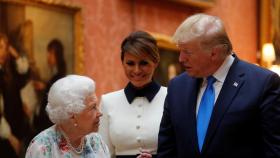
104, 127
22, 65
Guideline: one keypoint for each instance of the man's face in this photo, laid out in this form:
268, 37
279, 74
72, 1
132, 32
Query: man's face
194, 59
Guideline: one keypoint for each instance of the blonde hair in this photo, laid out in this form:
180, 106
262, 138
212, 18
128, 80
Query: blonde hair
209, 30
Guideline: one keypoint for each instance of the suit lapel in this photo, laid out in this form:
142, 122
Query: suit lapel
186, 97
231, 86
191, 112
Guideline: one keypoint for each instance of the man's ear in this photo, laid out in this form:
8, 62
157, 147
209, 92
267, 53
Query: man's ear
214, 53
217, 51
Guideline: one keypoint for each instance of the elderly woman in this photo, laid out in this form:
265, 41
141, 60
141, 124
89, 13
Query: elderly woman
132, 115
72, 107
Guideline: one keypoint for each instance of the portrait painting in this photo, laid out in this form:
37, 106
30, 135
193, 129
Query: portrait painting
202, 4
44, 33
169, 65
31, 27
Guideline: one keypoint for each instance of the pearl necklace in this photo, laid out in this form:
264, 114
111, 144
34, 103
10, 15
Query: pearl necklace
77, 150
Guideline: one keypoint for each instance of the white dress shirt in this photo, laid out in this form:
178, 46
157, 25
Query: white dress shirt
220, 76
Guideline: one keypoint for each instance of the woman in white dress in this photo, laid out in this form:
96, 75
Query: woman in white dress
72, 107
131, 116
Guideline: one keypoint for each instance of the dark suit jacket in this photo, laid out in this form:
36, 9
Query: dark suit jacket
245, 122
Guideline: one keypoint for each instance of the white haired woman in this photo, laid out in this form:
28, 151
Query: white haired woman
72, 107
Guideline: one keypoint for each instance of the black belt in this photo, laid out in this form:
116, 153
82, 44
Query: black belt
131, 156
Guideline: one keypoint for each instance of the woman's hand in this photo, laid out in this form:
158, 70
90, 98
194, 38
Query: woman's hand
145, 154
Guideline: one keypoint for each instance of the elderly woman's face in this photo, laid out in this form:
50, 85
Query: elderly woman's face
88, 119
138, 69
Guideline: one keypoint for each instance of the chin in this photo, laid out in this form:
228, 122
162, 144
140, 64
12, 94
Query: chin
192, 74
140, 85
95, 129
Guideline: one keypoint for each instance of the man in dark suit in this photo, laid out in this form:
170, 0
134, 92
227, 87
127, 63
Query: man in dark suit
235, 114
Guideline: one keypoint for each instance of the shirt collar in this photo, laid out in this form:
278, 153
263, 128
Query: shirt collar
222, 72
149, 91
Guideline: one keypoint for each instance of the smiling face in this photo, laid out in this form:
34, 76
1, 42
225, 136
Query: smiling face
138, 69
88, 119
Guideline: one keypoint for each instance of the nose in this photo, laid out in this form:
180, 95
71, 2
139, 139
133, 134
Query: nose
181, 57
136, 69
99, 114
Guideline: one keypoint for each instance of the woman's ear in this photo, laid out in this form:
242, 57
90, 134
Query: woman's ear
73, 120
157, 63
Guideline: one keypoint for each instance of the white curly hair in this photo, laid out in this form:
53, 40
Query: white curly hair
67, 95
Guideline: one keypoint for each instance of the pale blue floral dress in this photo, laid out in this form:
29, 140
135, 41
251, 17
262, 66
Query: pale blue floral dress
51, 144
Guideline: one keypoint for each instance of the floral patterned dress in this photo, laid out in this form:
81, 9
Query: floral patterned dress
50, 143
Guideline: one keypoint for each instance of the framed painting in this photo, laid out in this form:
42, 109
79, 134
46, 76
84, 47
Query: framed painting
203, 4
30, 27
169, 65
32, 24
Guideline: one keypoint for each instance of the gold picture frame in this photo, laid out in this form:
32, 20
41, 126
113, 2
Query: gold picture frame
203, 4
169, 65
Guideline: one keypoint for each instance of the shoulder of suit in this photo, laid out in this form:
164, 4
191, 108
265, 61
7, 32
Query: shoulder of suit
181, 78
254, 69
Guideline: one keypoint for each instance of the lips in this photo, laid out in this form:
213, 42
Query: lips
97, 123
186, 67
137, 78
